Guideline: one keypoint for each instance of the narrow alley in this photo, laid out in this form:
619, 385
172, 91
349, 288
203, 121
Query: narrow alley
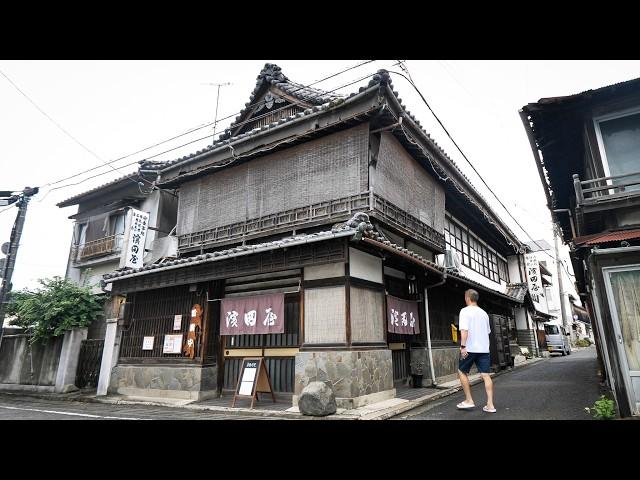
558, 388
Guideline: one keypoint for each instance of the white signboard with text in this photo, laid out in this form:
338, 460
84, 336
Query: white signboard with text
147, 343
172, 344
534, 282
135, 237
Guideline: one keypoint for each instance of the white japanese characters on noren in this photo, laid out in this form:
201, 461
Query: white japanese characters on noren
250, 318
271, 318
232, 318
394, 317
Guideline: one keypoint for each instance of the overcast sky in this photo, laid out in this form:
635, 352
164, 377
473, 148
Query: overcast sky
118, 107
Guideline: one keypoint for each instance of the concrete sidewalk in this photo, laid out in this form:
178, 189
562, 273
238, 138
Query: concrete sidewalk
375, 411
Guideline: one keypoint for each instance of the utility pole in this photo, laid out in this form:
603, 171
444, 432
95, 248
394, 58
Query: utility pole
21, 200
559, 268
215, 121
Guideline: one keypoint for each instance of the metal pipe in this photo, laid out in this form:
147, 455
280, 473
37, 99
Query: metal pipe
427, 323
290, 291
605, 251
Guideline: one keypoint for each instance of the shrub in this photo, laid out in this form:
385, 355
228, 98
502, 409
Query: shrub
583, 342
58, 306
603, 409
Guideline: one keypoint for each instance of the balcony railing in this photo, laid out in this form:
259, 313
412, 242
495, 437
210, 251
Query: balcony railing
606, 188
324, 212
97, 248
340, 208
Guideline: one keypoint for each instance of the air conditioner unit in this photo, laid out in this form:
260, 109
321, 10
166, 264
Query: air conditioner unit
452, 261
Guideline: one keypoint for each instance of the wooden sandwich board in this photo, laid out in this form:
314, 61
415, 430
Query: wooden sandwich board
253, 379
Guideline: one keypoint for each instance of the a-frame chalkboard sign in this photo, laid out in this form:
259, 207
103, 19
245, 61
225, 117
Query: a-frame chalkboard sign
253, 379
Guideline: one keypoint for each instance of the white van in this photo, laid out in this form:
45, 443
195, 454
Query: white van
557, 339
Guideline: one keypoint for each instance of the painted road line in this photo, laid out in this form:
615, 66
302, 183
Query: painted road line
71, 413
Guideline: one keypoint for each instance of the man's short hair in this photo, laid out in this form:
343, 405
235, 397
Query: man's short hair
472, 294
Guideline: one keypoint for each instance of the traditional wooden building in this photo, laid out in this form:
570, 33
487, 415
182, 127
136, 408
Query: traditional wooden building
314, 233
586, 147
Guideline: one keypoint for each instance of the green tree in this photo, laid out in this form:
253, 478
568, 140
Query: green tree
58, 306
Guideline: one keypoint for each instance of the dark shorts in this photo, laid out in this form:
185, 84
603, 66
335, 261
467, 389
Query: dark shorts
482, 361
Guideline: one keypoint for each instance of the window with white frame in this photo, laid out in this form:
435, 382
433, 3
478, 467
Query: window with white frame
619, 141
474, 253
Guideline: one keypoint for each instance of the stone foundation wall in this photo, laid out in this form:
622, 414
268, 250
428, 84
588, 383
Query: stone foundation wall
445, 363
190, 383
358, 377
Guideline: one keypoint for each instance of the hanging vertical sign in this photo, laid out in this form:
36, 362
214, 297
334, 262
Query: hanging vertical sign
402, 316
252, 315
534, 282
135, 236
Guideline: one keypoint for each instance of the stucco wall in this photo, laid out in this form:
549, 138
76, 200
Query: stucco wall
24, 364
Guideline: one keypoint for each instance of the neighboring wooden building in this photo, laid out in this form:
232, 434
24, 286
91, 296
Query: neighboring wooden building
344, 205
587, 149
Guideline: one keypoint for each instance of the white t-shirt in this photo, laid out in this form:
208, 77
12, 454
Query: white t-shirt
476, 321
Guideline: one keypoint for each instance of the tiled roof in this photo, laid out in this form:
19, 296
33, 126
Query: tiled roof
541, 245
517, 290
272, 74
588, 93
229, 141
339, 231
607, 237
359, 223
73, 200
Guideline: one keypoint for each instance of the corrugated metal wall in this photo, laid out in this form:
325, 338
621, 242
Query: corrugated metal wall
324, 169
527, 338
401, 180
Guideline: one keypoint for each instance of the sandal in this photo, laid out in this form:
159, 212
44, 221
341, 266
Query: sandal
465, 406
488, 410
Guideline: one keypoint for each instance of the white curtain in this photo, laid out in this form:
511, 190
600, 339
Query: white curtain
626, 293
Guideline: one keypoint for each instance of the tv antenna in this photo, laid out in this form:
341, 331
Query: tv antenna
215, 120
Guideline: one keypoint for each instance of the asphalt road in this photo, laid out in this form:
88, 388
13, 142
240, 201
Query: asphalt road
13, 407
558, 388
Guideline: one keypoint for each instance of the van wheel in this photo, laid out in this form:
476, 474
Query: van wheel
564, 353
569, 352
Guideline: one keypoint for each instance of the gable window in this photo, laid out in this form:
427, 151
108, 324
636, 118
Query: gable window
619, 141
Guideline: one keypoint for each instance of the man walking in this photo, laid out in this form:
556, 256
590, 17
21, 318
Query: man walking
474, 348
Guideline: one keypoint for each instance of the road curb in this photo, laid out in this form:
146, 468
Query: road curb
395, 411
381, 415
